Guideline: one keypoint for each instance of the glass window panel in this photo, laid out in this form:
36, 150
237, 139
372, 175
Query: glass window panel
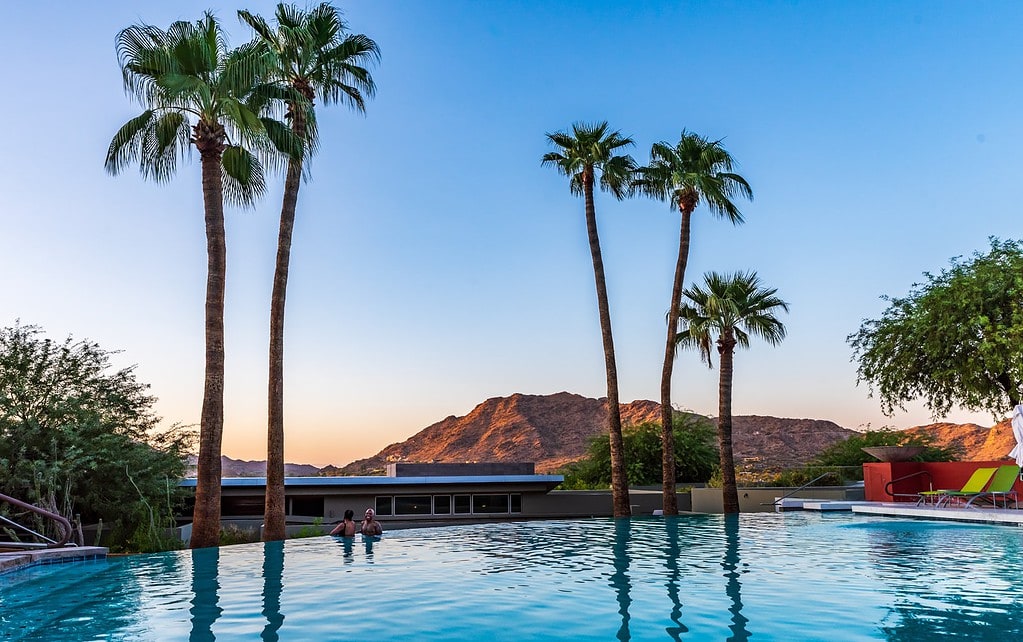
237, 506
384, 505
442, 504
490, 503
516, 503
462, 505
307, 506
412, 505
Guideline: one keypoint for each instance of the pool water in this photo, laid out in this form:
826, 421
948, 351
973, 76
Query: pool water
793, 576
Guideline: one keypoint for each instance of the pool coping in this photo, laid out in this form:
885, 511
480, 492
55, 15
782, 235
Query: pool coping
23, 559
1003, 516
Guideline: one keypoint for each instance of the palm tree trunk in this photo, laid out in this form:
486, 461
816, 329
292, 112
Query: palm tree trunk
729, 491
206, 515
274, 520
619, 481
670, 498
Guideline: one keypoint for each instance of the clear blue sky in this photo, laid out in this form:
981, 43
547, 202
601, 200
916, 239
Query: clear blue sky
436, 264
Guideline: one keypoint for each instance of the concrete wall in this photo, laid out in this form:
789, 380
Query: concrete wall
761, 500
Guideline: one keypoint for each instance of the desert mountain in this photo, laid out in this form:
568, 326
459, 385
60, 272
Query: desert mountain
552, 430
970, 441
241, 468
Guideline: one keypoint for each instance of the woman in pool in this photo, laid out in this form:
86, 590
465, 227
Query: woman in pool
347, 526
370, 526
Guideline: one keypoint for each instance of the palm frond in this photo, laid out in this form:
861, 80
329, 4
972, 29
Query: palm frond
125, 147
243, 177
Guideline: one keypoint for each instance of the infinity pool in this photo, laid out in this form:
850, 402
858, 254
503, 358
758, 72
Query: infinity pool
757, 577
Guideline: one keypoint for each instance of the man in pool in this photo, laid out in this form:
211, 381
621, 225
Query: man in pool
370, 526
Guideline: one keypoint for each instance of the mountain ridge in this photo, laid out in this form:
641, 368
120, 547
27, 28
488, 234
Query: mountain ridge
553, 430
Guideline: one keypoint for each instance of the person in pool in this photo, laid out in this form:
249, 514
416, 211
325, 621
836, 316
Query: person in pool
370, 526
347, 526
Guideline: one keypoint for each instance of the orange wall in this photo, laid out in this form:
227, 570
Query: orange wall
942, 475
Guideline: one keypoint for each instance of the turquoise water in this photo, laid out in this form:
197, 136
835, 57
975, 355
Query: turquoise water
758, 577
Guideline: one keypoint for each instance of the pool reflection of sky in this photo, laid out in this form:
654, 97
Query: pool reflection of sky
752, 577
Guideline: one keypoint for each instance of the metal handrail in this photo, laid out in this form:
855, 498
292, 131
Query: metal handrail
60, 520
806, 485
887, 487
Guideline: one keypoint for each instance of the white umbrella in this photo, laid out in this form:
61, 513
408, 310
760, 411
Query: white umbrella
1017, 431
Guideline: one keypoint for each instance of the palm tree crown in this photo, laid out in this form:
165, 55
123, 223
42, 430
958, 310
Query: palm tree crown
196, 92
313, 53
735, 306
590, 147
694, 170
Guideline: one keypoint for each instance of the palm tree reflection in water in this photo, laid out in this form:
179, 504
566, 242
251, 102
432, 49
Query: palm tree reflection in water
671, 553
273, 572
205, 593
620, 579
733, 588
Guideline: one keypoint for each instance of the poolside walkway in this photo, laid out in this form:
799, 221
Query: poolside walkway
18, 559
1005, 516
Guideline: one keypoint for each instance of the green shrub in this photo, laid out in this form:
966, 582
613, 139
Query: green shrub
312, 530
231, 534
696, 455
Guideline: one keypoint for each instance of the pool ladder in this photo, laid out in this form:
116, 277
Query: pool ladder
62, 523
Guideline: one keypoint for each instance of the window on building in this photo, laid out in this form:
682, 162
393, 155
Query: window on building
305, 506
384, 505
462, 505
240, 506
516, 503
412, 505
442, 504
489, 504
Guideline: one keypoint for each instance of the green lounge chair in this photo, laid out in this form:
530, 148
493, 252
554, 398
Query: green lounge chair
1001, 486
975, 484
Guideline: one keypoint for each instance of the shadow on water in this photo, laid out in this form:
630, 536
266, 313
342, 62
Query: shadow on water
733, 588
273, 572
620, 579
671, 554
205, 593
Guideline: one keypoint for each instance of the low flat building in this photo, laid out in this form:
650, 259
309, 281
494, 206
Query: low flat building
408, 494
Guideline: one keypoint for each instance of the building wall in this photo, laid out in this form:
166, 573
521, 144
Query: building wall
918, 476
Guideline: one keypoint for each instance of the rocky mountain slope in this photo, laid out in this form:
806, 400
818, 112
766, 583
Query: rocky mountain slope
972, 442
552, 430
243, 468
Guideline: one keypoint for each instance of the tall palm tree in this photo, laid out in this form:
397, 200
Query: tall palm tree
311, 54
731, 308
693, 171
590, 148
196, 92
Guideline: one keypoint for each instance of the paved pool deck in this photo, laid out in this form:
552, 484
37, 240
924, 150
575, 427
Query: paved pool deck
19, 559
1004, 516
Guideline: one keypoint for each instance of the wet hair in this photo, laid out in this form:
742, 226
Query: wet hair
349, 514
